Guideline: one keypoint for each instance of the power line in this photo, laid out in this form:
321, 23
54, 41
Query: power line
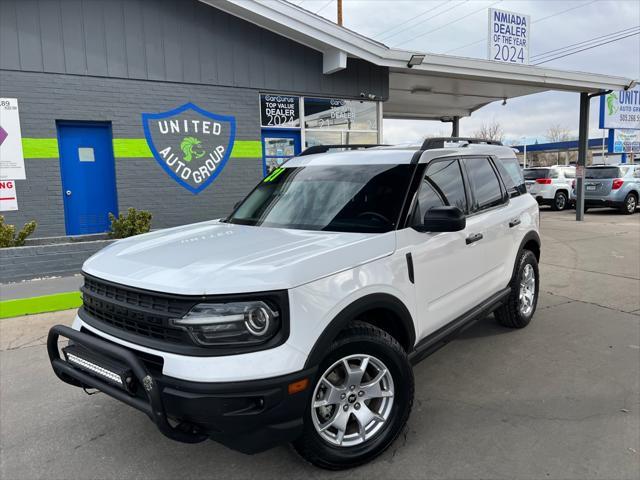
583, 43
588, 48
415, 17
447, 24
426, 19
535, 21
323, 7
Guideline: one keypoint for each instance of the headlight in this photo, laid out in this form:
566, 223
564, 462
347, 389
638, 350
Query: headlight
235, 323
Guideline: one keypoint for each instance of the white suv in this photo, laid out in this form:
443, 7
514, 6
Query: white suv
298, 318
551, 185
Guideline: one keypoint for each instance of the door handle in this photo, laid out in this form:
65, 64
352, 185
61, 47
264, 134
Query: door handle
514, 223
68, 193
476, 237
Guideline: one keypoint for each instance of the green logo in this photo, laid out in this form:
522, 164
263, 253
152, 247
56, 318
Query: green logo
611, 105
191, 148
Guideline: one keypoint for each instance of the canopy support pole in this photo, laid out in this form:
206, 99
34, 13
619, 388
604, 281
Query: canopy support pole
455, 127
583, 143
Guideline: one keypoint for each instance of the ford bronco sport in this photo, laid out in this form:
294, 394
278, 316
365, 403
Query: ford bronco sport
298, 318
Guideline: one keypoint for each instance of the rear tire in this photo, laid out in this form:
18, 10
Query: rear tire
523, 299
339, 429
560, 202
630, 204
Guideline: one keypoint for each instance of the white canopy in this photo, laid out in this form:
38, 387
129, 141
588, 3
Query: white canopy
442, 86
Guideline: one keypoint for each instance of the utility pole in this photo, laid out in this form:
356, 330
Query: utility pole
340, 12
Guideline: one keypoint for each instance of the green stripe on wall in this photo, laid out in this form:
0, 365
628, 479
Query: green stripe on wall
40, 147
45, 303
129, 148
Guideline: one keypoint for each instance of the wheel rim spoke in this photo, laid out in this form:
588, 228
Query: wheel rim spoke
352, 400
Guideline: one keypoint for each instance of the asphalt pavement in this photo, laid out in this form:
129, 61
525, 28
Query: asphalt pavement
557, 400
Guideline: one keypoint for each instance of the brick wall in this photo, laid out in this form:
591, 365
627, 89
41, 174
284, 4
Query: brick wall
141, 183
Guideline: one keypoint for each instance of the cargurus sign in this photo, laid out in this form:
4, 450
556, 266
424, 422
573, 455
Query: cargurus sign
509, 35
620, 109
190, 144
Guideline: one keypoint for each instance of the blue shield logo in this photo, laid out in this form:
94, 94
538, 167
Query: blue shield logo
190, 144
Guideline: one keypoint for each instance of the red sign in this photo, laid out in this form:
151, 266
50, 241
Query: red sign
8, 197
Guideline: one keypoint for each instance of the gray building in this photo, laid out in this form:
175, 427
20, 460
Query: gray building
179, 107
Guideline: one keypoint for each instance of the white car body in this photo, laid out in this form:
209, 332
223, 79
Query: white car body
324, 272
235, 329
558, 179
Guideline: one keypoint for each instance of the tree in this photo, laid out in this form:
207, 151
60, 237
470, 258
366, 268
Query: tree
490, 131
558, 133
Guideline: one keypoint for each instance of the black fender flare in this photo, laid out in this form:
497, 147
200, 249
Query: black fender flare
530, 236
355, 309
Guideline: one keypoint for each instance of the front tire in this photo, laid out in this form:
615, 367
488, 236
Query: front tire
361, 401
560, 202
630, 204
523, 299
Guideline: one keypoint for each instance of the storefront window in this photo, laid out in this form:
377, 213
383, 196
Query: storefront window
335, 114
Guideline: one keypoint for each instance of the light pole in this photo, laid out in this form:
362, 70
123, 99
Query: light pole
524, 156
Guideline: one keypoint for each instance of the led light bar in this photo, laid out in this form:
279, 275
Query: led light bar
99, 365
96, 369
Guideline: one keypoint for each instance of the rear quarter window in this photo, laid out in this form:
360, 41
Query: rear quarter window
512, 176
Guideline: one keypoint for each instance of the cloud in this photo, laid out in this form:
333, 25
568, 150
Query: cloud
400, 21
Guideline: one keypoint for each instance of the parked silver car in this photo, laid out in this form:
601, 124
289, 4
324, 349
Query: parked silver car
615, 186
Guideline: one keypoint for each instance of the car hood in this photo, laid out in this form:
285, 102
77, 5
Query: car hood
218, 258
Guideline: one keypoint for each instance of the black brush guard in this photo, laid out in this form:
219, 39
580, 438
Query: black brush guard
152, 406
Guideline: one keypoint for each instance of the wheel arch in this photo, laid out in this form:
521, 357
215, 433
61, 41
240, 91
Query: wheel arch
384, 311
531, 242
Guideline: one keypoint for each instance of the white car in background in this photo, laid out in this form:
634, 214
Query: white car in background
550, 185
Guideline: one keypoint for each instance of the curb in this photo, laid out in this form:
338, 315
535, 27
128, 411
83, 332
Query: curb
42, 304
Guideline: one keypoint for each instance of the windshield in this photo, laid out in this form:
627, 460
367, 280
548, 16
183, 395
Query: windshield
535, 173
339, 198
602, 172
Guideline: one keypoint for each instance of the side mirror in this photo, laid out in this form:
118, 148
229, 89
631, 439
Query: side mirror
443, 219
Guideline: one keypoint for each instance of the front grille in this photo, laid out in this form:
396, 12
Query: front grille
135, 311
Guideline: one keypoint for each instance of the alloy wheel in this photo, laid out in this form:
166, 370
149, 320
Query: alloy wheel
631, 204
352, 400
527, 290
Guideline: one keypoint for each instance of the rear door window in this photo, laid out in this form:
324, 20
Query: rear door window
486, 190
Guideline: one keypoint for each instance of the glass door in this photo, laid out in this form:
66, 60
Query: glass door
278, 146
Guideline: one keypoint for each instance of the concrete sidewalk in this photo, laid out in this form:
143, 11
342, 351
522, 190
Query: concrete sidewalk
39, 287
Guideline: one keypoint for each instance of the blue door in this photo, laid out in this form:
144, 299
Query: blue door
278, 146
88, 176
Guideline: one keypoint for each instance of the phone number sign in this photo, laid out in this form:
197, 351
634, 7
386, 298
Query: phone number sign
509, 35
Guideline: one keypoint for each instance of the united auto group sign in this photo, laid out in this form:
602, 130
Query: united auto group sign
190, 144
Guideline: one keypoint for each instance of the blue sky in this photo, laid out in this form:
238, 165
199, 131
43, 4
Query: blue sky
459, 27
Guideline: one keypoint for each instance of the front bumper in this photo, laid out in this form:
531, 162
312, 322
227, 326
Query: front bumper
248, 416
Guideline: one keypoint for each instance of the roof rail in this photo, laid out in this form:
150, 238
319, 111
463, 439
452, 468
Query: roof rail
438, 142
326, 148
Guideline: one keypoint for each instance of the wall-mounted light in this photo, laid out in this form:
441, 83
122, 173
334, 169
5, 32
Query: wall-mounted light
416, 59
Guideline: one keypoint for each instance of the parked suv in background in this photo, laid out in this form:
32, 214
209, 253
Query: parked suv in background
298, 318
616, 186
550, 185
